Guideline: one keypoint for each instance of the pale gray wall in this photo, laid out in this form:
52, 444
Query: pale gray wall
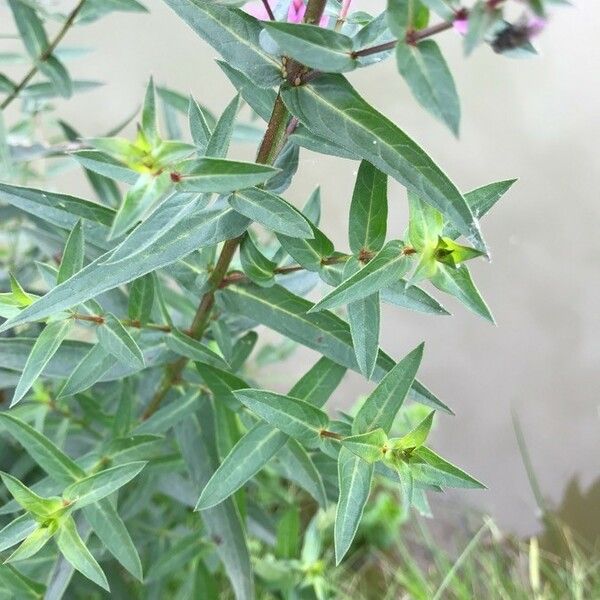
533, 119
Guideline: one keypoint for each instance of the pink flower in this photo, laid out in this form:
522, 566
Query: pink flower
296, 11
461, 25
536, 25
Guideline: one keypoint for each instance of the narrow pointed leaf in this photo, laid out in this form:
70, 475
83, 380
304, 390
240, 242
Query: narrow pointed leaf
436, 470
330, 107
218, 143
418, 436
297, 418
387, 266
73, 549
193, 349
383, 403
72, 259
368, 211
272, 211
29, 500
43, 350
255, 264
354, 477
116, 340
314, 46
369, 446
411, 297
16, 531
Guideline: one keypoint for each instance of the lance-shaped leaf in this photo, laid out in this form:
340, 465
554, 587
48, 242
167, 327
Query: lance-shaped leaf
193, 349
255, 264
204, 228
383, 403
272, 211
363, 318
222, 176
16, 531
370, 446
141, 299
90, 369
103, 164
425, 223
170, 414
72, 258
368, 211
298, 418
263, 441
74, 550
354, 480
29, 500
458, 283
309, 253
116, 340
182, 552
387, 266
149, 120
411, 297
18, 585
331, 107
435, 470
34, 542
59, 209
218, 143
288, 314
482, 17
234, 34
417, 436
481, 200
423, 67
298, 466
93, 488
223, 522
43, 350
313, 46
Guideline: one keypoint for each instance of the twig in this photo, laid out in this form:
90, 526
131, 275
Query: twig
46, 54
268, 9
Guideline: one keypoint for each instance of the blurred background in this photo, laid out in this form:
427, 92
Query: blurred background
535, 119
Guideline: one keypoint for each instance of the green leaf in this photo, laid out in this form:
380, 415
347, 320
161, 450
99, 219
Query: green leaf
354, 477
331, 107
105, 165
218, 143
255, 264
435, 470
458, 283
193, 349
141, 299
59, 209
16, 531
299, 467
313, 46
262, 442
222, 176
309, 253
297, 418
481, 20
73, 549
116, 340
223, 522
94, 364
182, 552
452, 254
272, 211
18, 585
21, 297
149, 120
29, 500
286, 313
411, 297
481, 200
204, 228
383, 403
288, 534
417, 436
387, 266
234, 34
170, 414
72, 259
43, 350
425, 223
52, 460
199, 125
93, 488
221, 383
368, 211
33, 543
423, 67
369, 446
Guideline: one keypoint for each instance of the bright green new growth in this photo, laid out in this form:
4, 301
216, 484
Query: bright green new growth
128, 342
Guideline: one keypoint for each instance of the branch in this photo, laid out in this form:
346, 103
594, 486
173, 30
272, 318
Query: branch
268, 9
44, 56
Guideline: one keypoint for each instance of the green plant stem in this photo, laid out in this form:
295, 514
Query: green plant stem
70, 20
